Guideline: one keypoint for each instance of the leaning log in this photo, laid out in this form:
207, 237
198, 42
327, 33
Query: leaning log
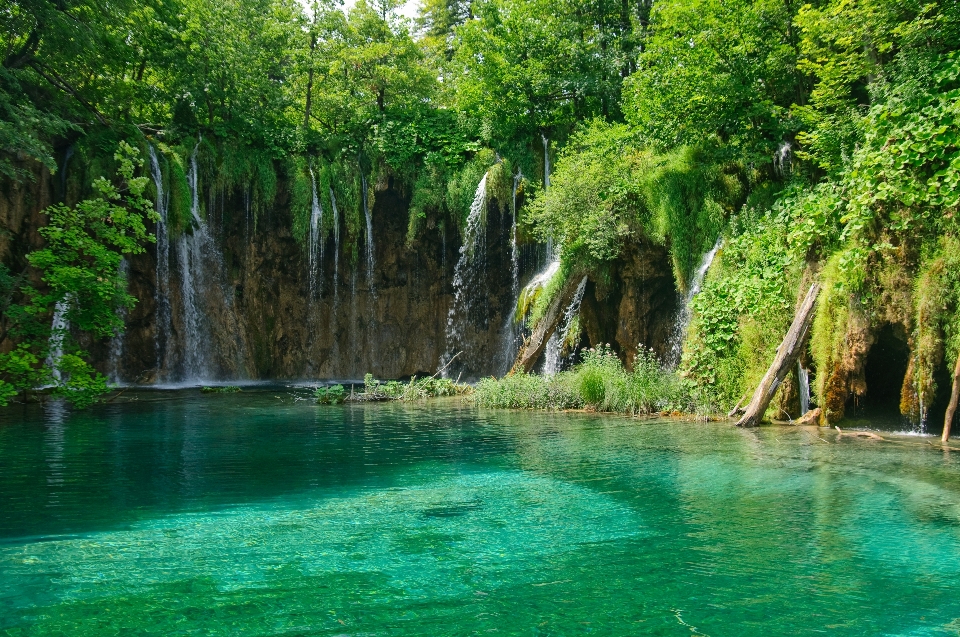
533, 347
952, 407
784, 362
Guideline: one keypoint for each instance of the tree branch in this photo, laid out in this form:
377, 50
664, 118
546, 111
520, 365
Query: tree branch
64, 86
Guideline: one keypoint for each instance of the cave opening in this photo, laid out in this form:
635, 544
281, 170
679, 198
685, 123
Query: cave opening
885, 369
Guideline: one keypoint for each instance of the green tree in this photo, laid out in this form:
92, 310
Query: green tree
82, 282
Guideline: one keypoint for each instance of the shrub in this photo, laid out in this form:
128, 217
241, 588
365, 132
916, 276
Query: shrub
333, 395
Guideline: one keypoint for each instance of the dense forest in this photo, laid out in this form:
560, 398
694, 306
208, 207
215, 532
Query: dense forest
806, 141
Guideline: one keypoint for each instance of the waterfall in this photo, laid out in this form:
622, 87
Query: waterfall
191, 252
315, 255
116, 341
336, 250
685, 313
514, 253
59, 327
468, 273
546, 187
553, 353
782, 158
161, 293
804, 377
369, 246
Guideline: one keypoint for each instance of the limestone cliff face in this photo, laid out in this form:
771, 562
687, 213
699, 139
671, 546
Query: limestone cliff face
253, 316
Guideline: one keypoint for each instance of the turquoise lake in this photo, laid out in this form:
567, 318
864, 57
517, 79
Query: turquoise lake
261, 513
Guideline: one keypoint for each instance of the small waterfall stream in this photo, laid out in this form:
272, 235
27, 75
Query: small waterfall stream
511, 333
369, 247
685, 313
59, 327
315, 254
468, 271
161, 293
804, 377
336, 251
114, 362
552, 356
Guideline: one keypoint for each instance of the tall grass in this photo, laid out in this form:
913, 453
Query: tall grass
601, 383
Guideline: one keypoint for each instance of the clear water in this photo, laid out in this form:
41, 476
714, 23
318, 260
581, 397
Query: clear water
178, 513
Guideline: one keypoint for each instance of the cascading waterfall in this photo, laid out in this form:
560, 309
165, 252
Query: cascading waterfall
369, 246
161, 293
552, 354
116, 341
315, 255
804, 377
59, 327
192, 248
685, 314
511, 335
469, 271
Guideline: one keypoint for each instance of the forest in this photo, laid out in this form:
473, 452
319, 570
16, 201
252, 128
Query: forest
795, 142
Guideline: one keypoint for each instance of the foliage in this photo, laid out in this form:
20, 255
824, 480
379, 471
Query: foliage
225, 389
332, 395
600, 382
81, 275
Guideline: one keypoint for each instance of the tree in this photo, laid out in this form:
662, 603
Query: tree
83, 286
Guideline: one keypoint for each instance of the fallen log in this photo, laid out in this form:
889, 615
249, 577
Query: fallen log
952, 407
532, 348
785, 360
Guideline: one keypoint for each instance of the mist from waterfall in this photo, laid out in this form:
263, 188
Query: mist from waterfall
469, 271
686, 311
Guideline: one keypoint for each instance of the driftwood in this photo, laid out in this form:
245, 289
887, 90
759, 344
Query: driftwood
952, 407
533, 347
783, 363
857, 434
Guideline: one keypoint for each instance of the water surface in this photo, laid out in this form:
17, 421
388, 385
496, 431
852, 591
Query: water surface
178, 513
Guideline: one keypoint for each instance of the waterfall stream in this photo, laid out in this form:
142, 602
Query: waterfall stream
804, 377
336, 251
553, 354
161, 294
114, 362
369, 247
315, 254
685, 313
59, 327
468, 272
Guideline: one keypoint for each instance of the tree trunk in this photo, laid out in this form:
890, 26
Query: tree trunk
952, 407
784, 362
534, 346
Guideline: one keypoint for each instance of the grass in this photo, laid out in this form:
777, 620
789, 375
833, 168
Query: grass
376, 390
228, 389
600, 383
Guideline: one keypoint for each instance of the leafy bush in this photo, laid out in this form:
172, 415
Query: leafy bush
600, 382
333, 395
